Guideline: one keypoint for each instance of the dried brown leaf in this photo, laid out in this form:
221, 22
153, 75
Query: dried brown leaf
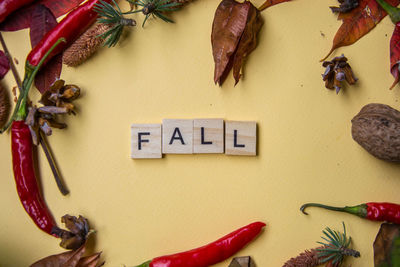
233, 36
386, 246
242, 262
70, 259
248, 41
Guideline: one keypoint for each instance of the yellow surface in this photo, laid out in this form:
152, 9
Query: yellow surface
147, 208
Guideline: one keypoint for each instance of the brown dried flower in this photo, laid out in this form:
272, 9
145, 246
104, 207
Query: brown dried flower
86, 45
56, 101
345, 6
337, 70
4, 106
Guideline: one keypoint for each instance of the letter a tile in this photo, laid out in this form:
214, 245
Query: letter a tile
208, 136
177, 136
240, 138
145, 141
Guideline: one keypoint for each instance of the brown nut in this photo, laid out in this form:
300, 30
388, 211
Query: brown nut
377, 129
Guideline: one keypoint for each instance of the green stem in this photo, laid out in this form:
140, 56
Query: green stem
30, 74
393, 12
144, 264
359, 210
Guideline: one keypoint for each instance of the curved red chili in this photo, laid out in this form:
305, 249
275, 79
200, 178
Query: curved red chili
374, 211
212, 253
25, 179
69, 28
8, 6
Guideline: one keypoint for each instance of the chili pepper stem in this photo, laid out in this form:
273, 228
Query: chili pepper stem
144, 264
30, 74
393, 12
359, 210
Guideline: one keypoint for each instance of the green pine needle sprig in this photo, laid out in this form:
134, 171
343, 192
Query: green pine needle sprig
115, 17
336, 247
155, 8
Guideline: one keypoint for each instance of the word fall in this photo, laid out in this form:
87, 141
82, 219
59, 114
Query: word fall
198, 136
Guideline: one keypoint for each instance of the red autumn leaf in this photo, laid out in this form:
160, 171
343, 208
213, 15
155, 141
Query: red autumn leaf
270, 3
358, 22
21, 19
49, 74
395, 54
4, 65
42, 21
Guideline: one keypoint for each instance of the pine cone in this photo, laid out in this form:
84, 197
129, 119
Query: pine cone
308, 258
4, 106
183, 2
85, 45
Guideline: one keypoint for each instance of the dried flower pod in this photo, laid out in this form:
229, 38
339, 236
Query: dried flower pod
77, 234
337, 70
57, 101
4, 106
85, 45
71, 92
345, 6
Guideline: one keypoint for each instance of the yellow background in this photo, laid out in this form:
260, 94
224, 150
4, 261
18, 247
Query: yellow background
147, 208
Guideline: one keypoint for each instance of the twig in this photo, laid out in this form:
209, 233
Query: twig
45, 146
47, 151
11, 61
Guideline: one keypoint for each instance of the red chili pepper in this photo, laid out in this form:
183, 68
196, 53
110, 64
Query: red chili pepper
373, 211
8, 6
212, 253
25, 179
394, 14
69, 28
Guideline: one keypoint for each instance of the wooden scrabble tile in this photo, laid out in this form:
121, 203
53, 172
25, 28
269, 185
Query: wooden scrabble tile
177, 136
240, 138
208, 136
145, 141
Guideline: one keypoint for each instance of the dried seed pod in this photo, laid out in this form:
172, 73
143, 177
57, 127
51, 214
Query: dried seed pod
71, 92
4, 106
337, 70
85, 45
53, 110
345, 6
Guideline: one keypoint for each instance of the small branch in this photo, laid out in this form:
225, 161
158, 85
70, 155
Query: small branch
11, 61
61, 186
43, 142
